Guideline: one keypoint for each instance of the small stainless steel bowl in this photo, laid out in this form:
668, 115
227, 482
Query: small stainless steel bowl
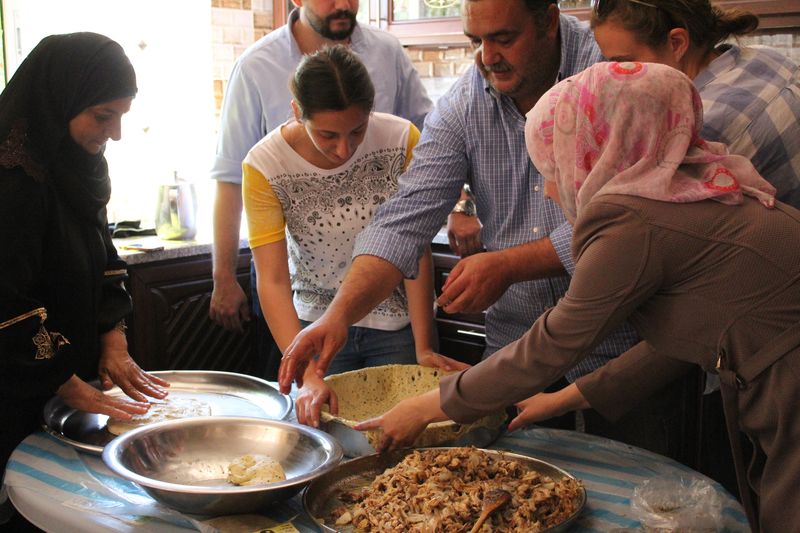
183, 463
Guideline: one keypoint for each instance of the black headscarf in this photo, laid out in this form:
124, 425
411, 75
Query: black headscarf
61, 77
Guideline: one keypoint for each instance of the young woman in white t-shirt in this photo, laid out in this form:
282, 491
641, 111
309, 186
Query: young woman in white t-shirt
310, 186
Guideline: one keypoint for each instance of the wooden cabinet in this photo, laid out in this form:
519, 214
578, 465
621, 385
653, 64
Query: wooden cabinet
170, 329
461, 336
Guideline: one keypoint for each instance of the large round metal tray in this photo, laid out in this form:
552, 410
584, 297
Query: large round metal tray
322, 495
228, 393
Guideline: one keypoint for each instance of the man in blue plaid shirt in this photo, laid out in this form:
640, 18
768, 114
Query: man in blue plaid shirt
475, 135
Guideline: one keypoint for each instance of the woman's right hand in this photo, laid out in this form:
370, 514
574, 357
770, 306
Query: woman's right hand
548, 405
311, 397
78, 394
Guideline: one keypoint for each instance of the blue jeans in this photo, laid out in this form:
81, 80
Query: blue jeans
373, 347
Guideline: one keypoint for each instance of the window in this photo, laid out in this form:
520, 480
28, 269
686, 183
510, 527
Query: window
435, 22
425, 9
171, 125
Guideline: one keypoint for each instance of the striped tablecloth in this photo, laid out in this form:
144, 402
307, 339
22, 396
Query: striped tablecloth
62, 490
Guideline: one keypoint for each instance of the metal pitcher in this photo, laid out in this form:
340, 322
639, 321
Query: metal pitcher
176, 211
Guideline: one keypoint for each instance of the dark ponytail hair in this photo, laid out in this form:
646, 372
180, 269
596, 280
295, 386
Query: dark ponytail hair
331, 79
707, 25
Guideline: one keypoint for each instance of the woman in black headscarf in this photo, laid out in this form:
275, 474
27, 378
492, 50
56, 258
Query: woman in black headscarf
62, 302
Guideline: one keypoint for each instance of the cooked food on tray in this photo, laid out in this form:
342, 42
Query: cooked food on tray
173, 406
255, 469
444, 491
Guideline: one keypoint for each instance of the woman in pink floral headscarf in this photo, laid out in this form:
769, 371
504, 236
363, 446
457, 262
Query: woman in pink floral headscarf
632, 128
675, 236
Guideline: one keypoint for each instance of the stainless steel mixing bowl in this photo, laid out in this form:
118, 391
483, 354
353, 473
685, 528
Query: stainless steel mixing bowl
183, 463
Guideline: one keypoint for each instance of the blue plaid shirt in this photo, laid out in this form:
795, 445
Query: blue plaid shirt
751, 102
476, 135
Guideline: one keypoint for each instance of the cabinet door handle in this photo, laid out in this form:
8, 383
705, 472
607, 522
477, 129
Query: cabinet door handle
470, 332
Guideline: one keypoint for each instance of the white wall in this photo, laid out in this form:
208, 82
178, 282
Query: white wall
171, 124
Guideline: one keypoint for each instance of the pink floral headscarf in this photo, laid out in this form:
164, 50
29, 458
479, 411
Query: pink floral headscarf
633, 128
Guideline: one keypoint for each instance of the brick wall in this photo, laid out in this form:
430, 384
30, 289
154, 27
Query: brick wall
235, 25
438, 67
239, 23
787, 42
440, 62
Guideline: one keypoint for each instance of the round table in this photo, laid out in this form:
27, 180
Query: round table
60, 490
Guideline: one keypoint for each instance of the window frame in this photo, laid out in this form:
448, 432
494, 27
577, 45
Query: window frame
773, 14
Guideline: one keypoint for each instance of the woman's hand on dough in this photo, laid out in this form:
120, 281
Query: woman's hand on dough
78, 394
311, 397
118, 368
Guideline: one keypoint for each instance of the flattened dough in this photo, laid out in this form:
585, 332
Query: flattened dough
167, 409
255, 469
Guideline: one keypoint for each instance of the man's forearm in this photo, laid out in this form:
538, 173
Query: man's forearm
533, 260
227, 224
420, 295
369, 281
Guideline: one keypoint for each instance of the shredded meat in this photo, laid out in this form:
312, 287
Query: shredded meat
433, 491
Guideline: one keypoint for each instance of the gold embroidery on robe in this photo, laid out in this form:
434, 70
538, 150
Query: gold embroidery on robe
44, 344
47, 344
41, 312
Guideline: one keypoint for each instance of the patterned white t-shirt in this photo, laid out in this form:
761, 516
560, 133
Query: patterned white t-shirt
319, 211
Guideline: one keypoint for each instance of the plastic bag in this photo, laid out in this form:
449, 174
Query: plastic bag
685, 505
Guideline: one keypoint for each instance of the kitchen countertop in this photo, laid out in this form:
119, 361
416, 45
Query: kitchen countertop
165, 250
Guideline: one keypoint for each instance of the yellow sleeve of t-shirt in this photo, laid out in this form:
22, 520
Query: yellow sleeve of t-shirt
413, 139
265, 221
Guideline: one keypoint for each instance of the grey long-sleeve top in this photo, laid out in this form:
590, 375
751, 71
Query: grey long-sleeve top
691, 278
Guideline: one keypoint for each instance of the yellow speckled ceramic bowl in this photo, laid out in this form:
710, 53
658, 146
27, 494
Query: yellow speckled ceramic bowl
370, 392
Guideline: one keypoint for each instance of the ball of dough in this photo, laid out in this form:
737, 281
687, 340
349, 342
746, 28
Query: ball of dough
255, 469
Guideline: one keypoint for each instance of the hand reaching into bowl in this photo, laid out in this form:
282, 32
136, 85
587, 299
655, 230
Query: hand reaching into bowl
403, 423
326, 337
312, 396
432, 359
